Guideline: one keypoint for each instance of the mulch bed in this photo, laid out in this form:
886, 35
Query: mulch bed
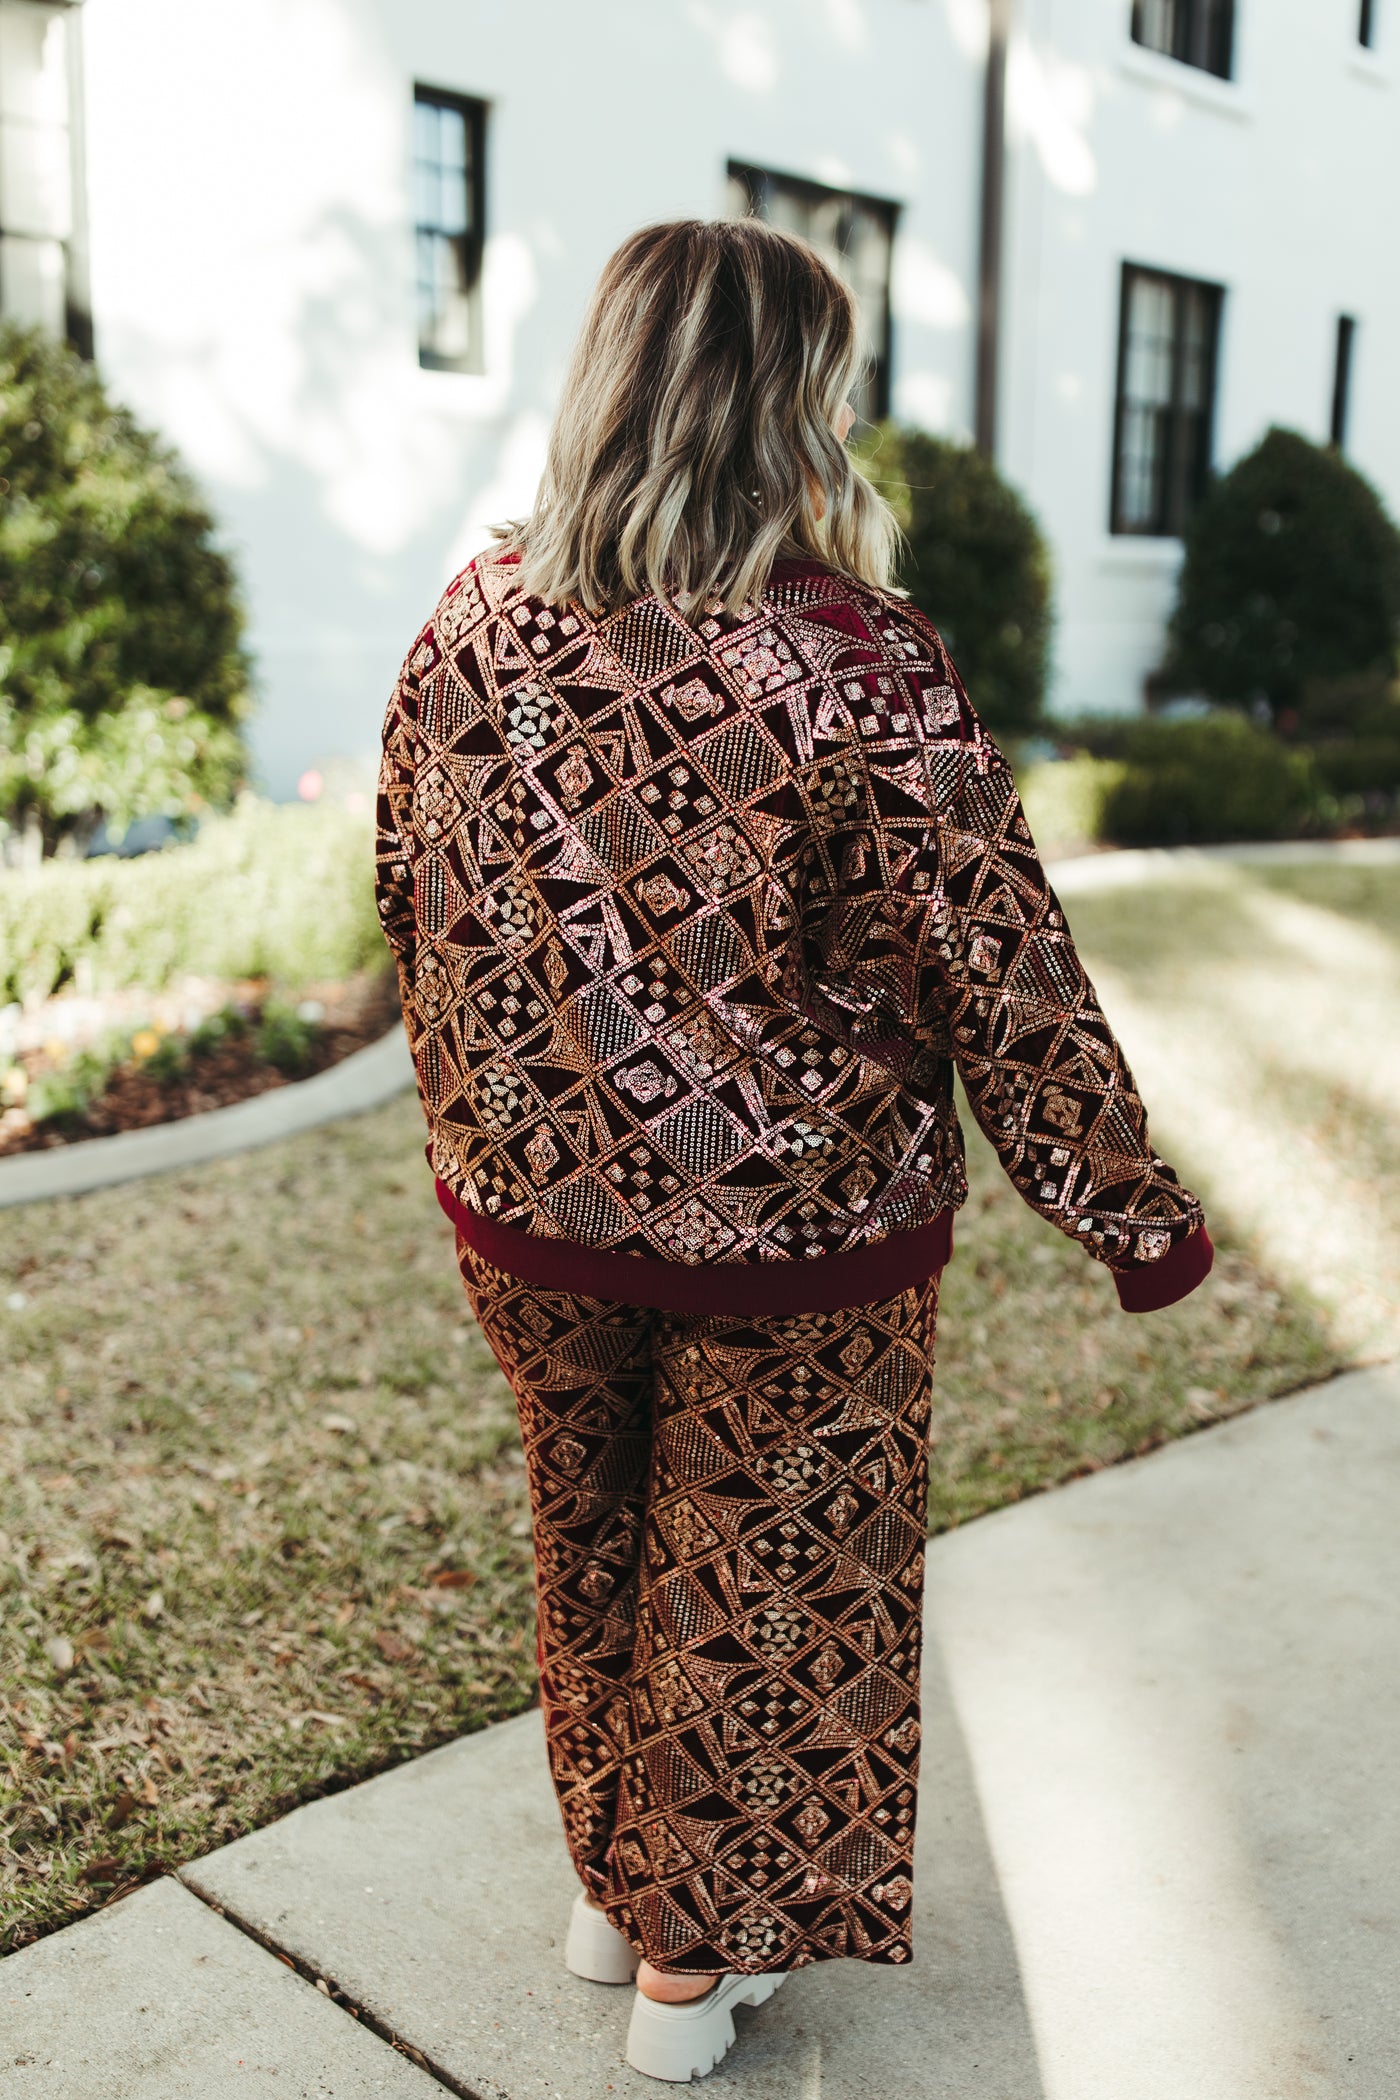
357, 1013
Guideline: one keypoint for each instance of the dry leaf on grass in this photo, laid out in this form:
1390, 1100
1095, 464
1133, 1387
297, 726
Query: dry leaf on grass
393, 1647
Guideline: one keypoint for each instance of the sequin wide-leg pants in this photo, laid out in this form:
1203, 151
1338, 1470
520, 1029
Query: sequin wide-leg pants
729, 1519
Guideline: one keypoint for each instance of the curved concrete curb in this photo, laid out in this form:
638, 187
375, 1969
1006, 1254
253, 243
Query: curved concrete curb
364, 1080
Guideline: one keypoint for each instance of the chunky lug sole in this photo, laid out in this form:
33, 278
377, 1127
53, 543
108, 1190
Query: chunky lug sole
681, 2042
595, 1949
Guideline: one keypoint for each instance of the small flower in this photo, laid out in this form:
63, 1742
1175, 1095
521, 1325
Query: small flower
145, 1043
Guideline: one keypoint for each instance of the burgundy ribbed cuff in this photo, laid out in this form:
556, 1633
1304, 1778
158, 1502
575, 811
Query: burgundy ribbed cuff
1162, 1282
863, 1276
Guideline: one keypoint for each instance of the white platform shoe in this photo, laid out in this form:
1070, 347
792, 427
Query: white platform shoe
595, 1949
681, 2042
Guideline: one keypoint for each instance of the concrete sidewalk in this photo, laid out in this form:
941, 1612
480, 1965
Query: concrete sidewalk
1159, 1845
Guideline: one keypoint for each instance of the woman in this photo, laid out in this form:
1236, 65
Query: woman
703, 877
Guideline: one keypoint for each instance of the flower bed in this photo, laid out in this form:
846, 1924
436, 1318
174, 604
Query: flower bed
87, 1068
141, 991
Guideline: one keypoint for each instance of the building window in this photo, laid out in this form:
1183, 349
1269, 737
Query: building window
1341, 378
1168, 331
449, 205
1366, 26
855, 234
43, 275
1198, 32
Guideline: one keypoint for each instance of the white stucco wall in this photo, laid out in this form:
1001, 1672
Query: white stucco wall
252, 261
1277, 185
252, 265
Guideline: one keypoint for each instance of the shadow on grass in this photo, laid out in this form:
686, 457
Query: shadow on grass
1041, 1377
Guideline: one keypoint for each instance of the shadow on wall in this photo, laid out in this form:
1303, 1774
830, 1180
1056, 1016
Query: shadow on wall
349, 482
341, 484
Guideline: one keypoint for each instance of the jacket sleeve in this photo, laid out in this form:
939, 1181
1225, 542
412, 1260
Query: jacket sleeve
393, 863
1046, 1078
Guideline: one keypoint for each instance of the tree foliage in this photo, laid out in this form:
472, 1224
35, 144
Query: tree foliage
977, 564
1291, 576
123, 679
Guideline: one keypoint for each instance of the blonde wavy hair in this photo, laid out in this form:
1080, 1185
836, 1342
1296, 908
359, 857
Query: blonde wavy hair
695, 443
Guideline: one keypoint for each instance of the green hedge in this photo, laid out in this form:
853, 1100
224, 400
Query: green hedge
1176, 783
278, 891
1215, 779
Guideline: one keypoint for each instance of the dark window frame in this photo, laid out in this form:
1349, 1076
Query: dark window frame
1341, 378
758, 181
1366, 25
1170, 514
1202, 34
474, 111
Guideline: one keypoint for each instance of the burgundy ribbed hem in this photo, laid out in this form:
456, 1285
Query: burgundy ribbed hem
831, 1281
1163, 1282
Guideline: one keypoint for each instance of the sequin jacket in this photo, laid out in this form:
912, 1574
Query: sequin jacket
693, 925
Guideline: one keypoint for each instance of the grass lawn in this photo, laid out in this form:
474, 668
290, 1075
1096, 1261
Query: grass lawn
263, 1527
1260, 1008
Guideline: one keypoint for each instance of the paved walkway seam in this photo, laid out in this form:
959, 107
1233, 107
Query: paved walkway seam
309, 1973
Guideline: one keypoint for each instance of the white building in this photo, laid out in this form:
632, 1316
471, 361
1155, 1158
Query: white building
337, 251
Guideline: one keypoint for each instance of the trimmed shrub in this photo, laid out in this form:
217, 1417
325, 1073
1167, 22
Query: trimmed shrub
1211, 779
1352, 727
976, 563
1291, 574
1065, 799
1364, 765
278, 891
123, 681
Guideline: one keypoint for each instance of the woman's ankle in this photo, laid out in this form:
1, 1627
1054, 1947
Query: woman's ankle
665, 1987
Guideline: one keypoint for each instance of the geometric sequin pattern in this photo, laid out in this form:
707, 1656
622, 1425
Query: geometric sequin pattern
729, 1518
694, 924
